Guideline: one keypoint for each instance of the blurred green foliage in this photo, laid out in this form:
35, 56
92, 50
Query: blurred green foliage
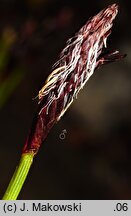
9, 85
9, 79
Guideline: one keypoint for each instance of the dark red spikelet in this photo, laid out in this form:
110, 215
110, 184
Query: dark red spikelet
81, 56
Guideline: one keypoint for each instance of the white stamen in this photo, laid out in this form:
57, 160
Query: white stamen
104, 41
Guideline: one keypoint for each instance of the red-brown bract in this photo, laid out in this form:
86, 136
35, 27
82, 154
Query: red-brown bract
82, 55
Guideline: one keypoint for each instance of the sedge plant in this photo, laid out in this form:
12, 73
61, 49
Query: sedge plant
84, 53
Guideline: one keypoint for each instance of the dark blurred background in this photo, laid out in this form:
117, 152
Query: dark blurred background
94, 159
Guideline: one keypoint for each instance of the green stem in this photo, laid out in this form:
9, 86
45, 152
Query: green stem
19, 177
